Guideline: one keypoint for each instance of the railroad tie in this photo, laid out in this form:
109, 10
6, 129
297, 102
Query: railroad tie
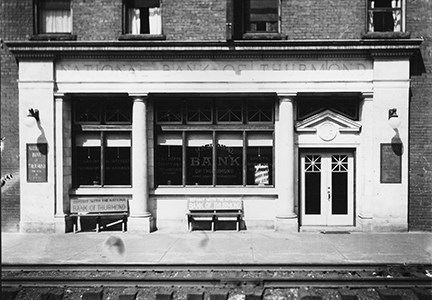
9, 293
199, 296
347, 294
55, 294
93, 294
128, 294
219, 296
164, 296
388, 294
258, 295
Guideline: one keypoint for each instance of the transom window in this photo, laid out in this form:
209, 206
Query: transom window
385, 16
214, 142
347, 106
102, 142
53, 16
142, 17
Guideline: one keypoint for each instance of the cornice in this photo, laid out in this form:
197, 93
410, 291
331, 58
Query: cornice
364, 48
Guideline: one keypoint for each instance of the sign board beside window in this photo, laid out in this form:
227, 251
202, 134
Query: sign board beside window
37, 162
391, 163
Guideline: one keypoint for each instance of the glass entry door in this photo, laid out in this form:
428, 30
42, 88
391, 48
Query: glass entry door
327, 188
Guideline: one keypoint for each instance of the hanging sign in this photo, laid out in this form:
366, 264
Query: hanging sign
37, 162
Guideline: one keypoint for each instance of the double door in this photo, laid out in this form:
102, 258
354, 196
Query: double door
327, 188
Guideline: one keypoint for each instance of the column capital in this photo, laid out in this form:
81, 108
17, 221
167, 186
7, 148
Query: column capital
138, 96
367, 96
59, 96
289, 97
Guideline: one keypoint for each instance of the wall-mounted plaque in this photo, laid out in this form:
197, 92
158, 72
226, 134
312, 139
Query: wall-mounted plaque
391, 163
37, 162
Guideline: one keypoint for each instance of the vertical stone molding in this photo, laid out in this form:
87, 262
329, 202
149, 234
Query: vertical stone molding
367, 182
59, 163
139, 213
286, 217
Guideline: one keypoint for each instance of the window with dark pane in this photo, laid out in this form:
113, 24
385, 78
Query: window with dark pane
169, 112
169, 159
118, 112
199, 111
229, 111
88, 158
87, 111
262, 15
385, 15
117, 154
199, 159
260, 110
229, 159
313, 184
143, 17
347, 106
259, 158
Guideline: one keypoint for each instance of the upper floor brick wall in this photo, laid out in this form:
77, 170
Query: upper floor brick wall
323, 19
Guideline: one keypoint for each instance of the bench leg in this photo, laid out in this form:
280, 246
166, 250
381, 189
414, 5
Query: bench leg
214, 219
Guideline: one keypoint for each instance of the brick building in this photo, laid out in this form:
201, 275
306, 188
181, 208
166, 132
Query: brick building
314, 114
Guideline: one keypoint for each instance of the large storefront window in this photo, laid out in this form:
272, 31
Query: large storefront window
102, 142
214, 142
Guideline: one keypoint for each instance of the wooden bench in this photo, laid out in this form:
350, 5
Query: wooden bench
98, 207
214, 210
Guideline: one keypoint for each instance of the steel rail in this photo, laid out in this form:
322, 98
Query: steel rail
219, 282
212, 267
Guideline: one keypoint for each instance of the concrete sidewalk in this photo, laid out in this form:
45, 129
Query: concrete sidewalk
245, 247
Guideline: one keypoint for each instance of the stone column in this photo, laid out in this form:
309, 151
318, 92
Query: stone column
286, 218
139, 219
60, 225
367, 171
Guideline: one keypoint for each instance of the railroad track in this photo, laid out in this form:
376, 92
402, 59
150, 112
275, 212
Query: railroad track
255, 279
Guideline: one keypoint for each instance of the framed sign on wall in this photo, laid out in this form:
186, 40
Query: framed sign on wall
391, 163
37, 164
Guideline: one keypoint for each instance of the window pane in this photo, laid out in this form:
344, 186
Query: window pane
260, 110
118, 112
54, 16
229, 111
347, 106
229, 167
262, 16
259, 159
385, 15
169, 112
144, 17
117, 153
199, 159
169, 159
313, 184
88, 165
87, 112
199, 111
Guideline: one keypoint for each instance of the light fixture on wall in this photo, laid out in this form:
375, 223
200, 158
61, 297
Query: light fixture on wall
393, 118
32, 116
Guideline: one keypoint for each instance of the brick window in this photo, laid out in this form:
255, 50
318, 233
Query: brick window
53, 16
385, 16
102, 142
254, 18
214, 141
142, 17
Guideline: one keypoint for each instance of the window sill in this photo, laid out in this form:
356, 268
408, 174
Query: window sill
263, 36
386, 35
53, 37
141, 37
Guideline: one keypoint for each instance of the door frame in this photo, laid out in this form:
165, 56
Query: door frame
326, 220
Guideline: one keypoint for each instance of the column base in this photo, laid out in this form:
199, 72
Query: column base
140, 224
60, 224
288, 223
366, 223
